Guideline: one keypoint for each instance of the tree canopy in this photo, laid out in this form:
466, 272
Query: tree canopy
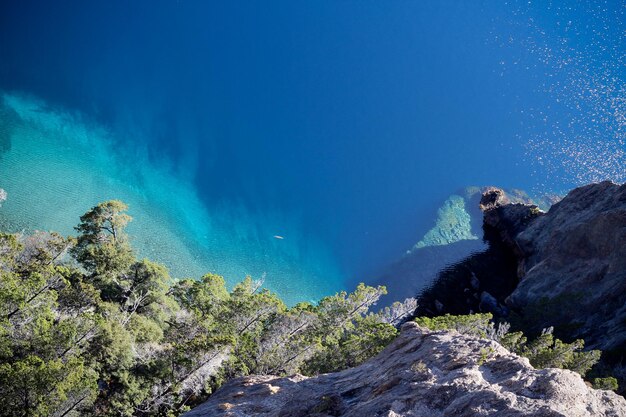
87, 329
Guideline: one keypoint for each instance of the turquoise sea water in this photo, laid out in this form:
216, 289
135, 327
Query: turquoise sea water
340, 126
58, 165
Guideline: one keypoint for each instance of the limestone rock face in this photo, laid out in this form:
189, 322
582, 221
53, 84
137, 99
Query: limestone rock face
571, 263
421, 374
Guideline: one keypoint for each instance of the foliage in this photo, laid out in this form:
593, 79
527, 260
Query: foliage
42, 342
544, 351
368, 336
86, 329
608, 383
399, 312
548, 352
472, 324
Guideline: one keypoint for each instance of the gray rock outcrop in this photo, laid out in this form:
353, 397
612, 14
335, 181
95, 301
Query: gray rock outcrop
421, 374
571, 263
454, 236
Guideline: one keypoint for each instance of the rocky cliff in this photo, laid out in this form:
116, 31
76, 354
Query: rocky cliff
422, 373
571, 263
455, 235
564, 268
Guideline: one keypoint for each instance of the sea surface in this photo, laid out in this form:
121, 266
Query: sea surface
56, 166
308, 144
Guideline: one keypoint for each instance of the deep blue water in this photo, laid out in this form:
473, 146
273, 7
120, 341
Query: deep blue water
338, 125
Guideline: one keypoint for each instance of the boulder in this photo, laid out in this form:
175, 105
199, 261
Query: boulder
421, 374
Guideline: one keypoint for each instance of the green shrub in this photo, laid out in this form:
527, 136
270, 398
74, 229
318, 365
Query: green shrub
608, 383
543, 352
472, 324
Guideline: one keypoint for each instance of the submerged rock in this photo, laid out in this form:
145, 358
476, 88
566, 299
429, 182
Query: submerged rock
453, 237
453, 224
421, 374
415, 271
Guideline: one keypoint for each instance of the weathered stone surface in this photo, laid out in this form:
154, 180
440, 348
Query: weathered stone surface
571, 263
421, 374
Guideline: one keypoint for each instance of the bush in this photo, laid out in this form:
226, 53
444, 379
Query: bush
543, 352
608, 383
471, 324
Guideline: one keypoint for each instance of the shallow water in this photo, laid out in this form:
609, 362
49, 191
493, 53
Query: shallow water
58, 166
